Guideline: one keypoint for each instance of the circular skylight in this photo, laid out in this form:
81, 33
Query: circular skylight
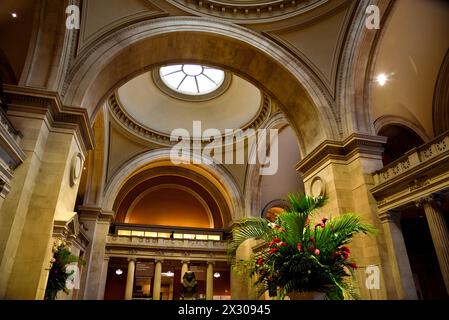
192, 79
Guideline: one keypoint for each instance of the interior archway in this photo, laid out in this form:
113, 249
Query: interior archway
148, 44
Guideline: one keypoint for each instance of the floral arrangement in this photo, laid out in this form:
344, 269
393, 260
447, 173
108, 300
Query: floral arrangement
300, 256
57, 278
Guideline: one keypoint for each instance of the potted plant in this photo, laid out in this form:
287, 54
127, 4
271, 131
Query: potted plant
58, 275
298, 255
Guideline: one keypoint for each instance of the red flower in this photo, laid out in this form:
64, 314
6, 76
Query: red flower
281, 230
352, 265
345, 255
273, 250
312, 240
260, 261
299, 246
274, 241
316, 252
324, 220
282, 244
345, 249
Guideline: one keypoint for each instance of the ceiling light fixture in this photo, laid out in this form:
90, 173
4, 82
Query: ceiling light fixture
217, 275
119, 272
168, 274
381, 79
14, 15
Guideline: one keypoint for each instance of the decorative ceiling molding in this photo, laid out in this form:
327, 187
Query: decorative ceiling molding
133, 126
49, 103
248, 12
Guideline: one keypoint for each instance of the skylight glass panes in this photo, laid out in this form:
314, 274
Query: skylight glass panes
192, 79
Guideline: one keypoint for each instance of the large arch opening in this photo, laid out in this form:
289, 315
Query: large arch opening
133, 51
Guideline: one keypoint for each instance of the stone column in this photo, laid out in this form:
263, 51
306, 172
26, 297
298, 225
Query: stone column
104, 276
184, 268
439, 233
157, 280
130, 279
210, 281
97, 223
342, 171
397, 252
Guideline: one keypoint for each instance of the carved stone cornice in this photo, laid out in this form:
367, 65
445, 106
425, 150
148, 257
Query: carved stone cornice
95, 213
341, 150
119, 113
249, 11
71, 231
24, 99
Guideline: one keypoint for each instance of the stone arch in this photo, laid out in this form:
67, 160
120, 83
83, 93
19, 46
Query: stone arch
130, 51
403, 122
354, 103
214, 174
440, 112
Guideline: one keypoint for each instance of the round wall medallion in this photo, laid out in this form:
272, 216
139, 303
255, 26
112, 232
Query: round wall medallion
318, 187
76, 168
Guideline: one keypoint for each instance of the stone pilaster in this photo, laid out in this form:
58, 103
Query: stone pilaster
342, 171
439, 233
397, 254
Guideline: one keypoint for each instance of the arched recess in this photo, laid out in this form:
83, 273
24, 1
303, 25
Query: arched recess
401, 139
131, 51
253, 178
440, 112
155, 164
356, 68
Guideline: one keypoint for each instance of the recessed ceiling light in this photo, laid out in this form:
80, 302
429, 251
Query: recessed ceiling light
381, 79
14, 15
119, 272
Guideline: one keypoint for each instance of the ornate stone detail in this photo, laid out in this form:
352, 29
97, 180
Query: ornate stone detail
421, 156
318, 187
76, 169
418, 183
248, 11
119, 114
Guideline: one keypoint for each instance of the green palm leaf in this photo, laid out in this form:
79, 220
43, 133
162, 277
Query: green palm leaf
249, 228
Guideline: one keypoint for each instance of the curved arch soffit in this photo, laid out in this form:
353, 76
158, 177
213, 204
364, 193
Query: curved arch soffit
356, 70
252, 177
215, 173
131, 51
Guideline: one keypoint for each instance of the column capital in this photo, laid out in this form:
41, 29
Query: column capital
391, 216
212, 262
156, 260
134, 259
431, 199
185, 261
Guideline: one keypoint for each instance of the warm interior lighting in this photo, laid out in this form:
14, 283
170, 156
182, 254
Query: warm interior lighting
119, 272
217, 275
382, 79
14, 15
168, 274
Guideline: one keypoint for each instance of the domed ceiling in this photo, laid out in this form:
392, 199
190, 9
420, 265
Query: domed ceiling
153, 102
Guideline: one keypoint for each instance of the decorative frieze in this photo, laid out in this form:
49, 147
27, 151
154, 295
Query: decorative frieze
248, 11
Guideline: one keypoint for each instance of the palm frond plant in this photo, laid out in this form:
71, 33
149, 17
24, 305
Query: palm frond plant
300, 256
58, 275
